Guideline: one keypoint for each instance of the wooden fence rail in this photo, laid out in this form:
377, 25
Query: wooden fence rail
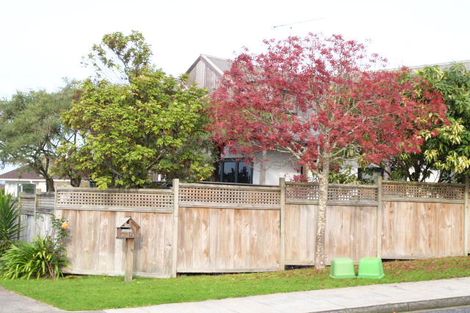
209, 228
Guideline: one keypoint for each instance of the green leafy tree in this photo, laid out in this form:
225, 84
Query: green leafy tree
449, 151
67, 163
31, 129
151, 124
120, 57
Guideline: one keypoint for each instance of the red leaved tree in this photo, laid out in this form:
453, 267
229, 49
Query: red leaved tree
322, 100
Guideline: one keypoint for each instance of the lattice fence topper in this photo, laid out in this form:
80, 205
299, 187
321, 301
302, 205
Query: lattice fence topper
214, 195
301, 191
352, 193
151, 199
423, 191
341, 193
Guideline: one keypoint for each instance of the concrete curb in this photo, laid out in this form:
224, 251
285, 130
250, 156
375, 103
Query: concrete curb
407, 306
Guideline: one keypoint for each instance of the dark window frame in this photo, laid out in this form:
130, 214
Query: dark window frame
220, 176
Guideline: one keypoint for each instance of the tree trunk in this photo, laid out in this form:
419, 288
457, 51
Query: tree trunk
49, 184
320, 255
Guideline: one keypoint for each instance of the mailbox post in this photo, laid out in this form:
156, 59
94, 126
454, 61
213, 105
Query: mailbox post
127, 229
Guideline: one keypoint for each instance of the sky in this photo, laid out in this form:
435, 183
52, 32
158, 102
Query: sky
43, 42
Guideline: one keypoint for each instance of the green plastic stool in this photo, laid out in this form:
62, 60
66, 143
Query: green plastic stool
342, 268
371, 268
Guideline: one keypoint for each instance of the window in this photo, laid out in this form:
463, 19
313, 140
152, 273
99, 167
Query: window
235, 171
27, 188
229, 171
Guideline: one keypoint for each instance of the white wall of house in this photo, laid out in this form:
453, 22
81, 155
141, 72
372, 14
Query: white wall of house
12, 186
273, 164
276, 165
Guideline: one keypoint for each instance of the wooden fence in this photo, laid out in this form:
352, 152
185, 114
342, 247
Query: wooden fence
394, 220
204, 228
228, 229
36, 213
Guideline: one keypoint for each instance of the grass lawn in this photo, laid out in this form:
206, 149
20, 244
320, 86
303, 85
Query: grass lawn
97, 292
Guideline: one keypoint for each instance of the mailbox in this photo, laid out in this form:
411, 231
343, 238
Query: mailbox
127, 228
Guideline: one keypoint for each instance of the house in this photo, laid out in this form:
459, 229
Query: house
25, 180
266, 168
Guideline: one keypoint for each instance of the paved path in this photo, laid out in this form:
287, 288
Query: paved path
375, 298
13, 303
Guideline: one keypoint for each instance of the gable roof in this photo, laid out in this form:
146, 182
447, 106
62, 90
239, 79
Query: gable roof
443, 66
222, 64
24, 172
218, 65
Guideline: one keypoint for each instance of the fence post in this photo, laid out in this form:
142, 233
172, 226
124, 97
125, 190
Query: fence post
466, 208
282, 255
175, 227
35, 210
379, 216
55, 213
20, 206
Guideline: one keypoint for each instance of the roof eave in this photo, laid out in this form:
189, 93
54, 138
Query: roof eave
208, 62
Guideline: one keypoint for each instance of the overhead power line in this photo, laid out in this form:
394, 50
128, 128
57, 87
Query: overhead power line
299, 22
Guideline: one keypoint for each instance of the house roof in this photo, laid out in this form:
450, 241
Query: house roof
24, 172
222, 64
219, 65
444, 65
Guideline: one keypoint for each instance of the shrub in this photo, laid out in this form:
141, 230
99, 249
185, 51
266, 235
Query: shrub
9, 221
44, 257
